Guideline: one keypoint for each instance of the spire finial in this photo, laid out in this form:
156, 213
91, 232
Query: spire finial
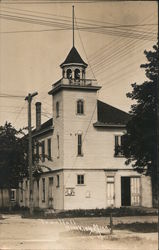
73, 24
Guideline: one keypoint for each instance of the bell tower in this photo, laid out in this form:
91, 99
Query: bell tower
74, 99
74, 68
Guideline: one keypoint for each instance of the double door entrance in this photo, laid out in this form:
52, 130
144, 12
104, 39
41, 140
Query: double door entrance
130, 191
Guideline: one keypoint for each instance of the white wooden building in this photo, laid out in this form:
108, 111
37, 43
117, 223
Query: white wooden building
85, 168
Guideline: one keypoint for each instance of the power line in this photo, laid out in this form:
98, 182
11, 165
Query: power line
120, 76
10, 96
110, 56
111, 44
48, 1
87, 21
116, 58
19, 113
64, 24
92, 23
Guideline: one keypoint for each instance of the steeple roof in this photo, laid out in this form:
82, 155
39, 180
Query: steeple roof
73, 57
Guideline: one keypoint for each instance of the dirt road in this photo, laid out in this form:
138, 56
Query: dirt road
36, 234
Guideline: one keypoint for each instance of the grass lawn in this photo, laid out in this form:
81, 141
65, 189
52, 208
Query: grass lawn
141, 227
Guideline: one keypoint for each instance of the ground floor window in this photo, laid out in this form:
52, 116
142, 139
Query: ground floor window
58, 181
13, 195
21, 191
43, 189
50, 186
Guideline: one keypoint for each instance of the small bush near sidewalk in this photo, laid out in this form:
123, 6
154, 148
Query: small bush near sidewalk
16, 209
117, 212
138, 227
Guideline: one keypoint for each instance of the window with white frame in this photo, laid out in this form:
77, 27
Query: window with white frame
43, 151
13, 195
80, 107
57, 109
49, 148
58, 146
21, 191
79, 144
118, 145
80, 179
58, 181
37, 151
50, 191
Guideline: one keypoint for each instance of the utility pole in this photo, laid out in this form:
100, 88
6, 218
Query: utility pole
29, 99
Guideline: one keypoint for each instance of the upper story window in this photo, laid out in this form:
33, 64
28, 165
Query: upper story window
37, 152
118, 145
83, 74
58, 146
49, 148
69, 74
80, 179
79, 145
77, 74
43, 151
80, 107
57, 109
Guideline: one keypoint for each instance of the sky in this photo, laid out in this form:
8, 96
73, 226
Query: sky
36, 36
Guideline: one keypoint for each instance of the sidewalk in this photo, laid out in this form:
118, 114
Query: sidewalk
35, 234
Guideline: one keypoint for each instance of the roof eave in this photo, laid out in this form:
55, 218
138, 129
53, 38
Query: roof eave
41, 132
72, 64
73, 87
107, 125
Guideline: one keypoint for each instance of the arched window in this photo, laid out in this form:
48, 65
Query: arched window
57, 109
77, 74
69, 74
80, 107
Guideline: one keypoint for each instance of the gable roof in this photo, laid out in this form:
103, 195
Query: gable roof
110, 116
73, 57
44, 128
107, 115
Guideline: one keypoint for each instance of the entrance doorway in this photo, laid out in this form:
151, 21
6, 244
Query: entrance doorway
130, 191
125, 191
110, 191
